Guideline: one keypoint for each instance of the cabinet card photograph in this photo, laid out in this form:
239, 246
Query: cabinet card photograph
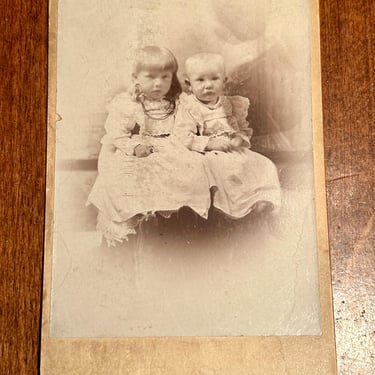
184, 170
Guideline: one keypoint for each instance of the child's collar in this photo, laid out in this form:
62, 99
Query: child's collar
209, 106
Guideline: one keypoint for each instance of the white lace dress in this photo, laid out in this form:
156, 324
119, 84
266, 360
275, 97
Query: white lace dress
240, 178
128, 187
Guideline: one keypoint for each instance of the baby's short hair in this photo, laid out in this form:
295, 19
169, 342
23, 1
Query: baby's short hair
204, 58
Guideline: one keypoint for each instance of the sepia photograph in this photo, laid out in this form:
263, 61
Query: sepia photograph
183, 170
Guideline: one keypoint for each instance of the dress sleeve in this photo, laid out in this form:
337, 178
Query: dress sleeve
119, 124
186, 129
240, 108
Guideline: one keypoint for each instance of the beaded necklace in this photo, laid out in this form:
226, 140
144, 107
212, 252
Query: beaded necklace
155, 114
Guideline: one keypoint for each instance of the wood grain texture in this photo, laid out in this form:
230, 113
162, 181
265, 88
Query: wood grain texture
347, 43
23, 98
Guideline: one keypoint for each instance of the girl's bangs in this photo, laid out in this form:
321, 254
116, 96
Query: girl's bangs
162, 62
157, 65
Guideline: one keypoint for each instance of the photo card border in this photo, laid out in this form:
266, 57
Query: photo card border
195, 355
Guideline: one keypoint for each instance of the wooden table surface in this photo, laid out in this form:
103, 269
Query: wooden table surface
347, 47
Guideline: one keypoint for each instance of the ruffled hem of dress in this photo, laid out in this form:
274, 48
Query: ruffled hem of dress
272, 198
113, 232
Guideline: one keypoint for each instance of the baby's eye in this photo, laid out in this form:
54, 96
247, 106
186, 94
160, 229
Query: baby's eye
215, 78
200, 79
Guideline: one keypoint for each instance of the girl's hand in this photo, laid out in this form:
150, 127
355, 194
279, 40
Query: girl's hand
142, 151
219, 144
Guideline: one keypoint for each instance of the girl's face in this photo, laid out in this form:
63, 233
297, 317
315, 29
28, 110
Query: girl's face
207, 82
155, 84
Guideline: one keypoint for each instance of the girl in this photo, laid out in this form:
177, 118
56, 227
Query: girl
141, 169
213, 124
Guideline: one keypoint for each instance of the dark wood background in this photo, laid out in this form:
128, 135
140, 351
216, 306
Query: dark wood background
347, 47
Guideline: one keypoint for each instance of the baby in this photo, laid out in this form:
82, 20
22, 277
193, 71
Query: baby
214, 124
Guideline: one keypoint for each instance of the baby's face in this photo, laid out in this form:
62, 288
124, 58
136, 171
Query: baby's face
155, 84
207, 82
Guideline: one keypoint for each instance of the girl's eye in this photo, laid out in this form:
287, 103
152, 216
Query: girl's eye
200, 79
215, 78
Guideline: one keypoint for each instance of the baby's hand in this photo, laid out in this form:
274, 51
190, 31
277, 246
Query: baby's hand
219, 144
142, 151
236, 142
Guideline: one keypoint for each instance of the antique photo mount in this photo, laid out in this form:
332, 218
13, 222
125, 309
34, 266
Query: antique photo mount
190, 355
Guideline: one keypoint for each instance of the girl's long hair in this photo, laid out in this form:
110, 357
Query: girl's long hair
158, 58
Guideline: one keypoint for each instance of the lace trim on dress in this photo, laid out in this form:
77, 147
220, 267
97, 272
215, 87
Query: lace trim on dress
154, 117
240, 107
